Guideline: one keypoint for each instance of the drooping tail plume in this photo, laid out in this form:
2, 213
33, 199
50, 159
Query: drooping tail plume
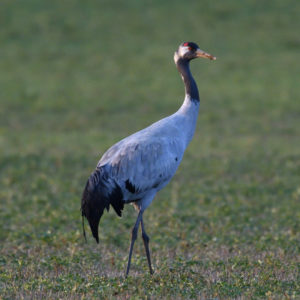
99, 193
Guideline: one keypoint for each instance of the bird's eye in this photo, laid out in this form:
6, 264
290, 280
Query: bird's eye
190, 48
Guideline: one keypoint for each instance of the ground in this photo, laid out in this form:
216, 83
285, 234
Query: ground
77, 76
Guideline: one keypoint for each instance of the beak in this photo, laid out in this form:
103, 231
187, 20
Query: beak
201, 53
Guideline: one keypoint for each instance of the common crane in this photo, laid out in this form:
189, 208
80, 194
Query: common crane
137, 167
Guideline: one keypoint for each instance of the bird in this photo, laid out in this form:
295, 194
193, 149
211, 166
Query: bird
134, 169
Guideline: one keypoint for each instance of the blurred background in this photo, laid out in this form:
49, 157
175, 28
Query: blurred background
77, 76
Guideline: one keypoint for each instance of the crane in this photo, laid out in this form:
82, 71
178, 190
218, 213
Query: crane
137, 167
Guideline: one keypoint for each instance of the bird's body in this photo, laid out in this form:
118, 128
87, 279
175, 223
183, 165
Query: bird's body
136, 168
149, 158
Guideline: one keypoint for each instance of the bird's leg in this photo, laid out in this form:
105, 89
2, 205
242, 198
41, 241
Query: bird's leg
133, 238
146, 244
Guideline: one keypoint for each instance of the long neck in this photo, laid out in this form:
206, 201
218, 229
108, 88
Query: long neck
191, 90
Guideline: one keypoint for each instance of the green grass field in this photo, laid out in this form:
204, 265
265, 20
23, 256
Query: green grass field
77, 76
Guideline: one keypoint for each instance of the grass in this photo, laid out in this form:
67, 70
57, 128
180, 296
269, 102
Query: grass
77, 76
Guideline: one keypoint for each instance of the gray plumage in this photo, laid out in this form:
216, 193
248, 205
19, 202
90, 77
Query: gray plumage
136, 168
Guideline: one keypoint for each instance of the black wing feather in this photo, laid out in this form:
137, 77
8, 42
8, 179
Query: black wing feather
99, 193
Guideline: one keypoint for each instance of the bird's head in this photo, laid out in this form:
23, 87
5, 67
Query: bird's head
189, 50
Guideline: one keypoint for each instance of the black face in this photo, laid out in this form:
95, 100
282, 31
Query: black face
189, 51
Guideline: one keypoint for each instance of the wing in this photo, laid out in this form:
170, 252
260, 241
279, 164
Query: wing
142, 164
